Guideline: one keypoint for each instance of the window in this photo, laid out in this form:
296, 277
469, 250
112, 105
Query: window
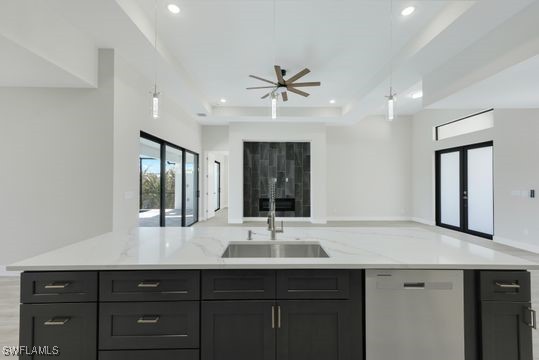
168, 181
469, 124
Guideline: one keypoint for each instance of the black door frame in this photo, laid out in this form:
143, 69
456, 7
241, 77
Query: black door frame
218, 186
163, 145
463, 155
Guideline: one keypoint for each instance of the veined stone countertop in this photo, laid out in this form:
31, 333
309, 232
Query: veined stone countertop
202, 247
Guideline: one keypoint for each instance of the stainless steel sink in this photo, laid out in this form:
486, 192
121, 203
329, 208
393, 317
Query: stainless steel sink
274, 249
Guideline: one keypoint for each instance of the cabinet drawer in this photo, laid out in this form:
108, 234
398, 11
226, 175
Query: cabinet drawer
53, 287
149, 325
70, 327
505, 285
313, 284
149, 285
149, 354
238, 284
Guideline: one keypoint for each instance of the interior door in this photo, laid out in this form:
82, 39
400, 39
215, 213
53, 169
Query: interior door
217, 185
464, 189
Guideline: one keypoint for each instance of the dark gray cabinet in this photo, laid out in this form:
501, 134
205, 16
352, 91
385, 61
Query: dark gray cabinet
315, 330
70, 327
238, 330
506, 331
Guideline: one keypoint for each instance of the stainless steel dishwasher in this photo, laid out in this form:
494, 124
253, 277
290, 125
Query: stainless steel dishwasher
414, 315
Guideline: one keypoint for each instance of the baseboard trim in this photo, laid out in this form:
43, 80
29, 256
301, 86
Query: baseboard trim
287, 219
235, 221
517, 244
423, 221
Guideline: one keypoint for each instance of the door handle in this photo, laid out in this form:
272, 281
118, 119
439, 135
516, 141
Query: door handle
533, 319
273, 316
278, 316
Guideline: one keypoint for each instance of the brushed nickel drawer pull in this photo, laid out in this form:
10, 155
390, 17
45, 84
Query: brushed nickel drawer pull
508, 286
57, 285
149, 284
153, 319
56, 321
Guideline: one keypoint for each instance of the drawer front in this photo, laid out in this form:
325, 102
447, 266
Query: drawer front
238, 284
149, 325
149, 285
149, 354
505, 286
313, 284
70, 327
53, 287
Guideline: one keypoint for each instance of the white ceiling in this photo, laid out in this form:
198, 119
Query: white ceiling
210, 48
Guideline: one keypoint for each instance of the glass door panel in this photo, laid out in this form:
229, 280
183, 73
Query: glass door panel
191, 188
173, 186
480, 190
450, 188
150, 183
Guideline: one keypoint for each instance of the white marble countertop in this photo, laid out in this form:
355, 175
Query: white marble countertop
202, 247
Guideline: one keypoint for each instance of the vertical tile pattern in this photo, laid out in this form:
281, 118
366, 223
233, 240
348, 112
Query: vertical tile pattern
289, 163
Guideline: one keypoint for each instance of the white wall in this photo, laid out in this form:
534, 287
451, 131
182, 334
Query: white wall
516, 170
369, 170
282, 132
132, 114
56, 153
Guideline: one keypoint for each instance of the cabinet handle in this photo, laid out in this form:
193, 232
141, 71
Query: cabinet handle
154, 319
279, 317
508, 286
149, 284
533, 323
57, 285
57, 321
273, 316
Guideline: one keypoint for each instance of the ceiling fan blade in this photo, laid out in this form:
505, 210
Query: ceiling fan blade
260, 87
261, 79
279, 74
296, 91
285, 96
313, 83
301, 74
265, 96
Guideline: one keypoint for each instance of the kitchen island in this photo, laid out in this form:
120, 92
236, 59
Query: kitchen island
167, 293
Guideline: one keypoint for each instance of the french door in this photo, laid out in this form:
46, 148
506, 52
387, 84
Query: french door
464, 189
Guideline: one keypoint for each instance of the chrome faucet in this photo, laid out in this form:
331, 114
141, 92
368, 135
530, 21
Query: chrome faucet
271, 215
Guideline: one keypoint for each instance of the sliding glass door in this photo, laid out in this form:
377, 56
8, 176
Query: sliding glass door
168, 183
464, 189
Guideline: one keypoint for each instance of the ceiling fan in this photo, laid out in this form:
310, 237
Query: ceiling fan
282, 85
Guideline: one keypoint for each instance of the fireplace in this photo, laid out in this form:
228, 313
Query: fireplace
281, 204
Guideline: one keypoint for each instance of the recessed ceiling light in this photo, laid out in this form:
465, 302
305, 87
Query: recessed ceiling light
332, 101
408, 11
223, 101
417, 95
173, 8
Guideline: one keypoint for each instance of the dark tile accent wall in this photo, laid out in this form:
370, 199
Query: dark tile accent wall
289, 163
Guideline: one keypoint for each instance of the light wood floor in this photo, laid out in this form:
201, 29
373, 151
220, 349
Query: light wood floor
10, 292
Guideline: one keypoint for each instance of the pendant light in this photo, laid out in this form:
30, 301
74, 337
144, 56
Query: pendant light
273, 105
392, 97
155, 93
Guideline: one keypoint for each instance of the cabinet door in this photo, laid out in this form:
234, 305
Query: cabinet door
238, 330
506, 331
70, 327
315, 330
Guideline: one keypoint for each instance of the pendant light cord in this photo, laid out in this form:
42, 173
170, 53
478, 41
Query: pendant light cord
274, 31
155, 47
390, 47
